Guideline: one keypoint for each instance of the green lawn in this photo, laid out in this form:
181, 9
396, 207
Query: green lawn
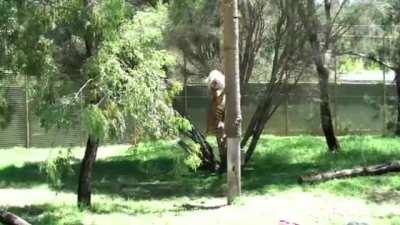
144, 186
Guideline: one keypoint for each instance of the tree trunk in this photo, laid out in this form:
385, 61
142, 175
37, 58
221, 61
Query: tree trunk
256, 127
85, 175
397, 80
359, 171
312, 24
90, 43
8, 218
223, 149
325, 109
233, 117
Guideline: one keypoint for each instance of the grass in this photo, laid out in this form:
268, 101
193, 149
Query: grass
144, 186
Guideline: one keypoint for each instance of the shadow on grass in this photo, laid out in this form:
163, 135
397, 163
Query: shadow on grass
47, 214
24, 176
124, 177
276, 166
273, 171
191, 207
381, 196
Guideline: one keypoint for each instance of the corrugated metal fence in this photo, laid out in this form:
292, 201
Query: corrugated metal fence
24, 128
357, 108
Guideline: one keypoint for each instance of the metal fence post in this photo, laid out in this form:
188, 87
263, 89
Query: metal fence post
335, 118
384, 102
27, 121
286, 114
384, 112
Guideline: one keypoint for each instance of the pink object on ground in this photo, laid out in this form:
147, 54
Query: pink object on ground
284, 222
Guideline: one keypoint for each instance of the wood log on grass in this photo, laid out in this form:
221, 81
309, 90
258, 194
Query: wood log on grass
8, 218
354, 172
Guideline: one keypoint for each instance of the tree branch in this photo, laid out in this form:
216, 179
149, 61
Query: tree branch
369, 57
82, 88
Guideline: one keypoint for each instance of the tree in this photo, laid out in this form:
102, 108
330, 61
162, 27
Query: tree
312, 23
88, 55
266, 35
93, 141
201, 47
22, 46
386, 54
233, 119
130, 72
286, 46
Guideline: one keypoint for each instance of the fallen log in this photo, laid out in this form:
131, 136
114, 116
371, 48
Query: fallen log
7, 218
355, 172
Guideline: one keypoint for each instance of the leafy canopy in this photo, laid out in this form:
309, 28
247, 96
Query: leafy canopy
125, 79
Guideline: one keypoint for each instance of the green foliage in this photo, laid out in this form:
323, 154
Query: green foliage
58, 167
95, 122
356, 65
185, 161
130, 72
201, 46
124, 79
107, 16
384, 17
181, 124
193, 161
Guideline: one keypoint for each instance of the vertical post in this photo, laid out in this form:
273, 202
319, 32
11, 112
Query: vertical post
81, 134
286, 114
384, 101
335, 119
185, 86
27, 122
233, 117
384, 115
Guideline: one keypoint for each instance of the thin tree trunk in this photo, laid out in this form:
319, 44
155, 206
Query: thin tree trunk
90, 43
397, 80
85, 175
86, 170
255, 128
312, 25
233, 117
223, 149
8, 218
325, 109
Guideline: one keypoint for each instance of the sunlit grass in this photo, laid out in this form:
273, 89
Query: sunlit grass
144, 181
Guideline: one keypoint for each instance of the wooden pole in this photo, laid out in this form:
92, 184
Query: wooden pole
233, 117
